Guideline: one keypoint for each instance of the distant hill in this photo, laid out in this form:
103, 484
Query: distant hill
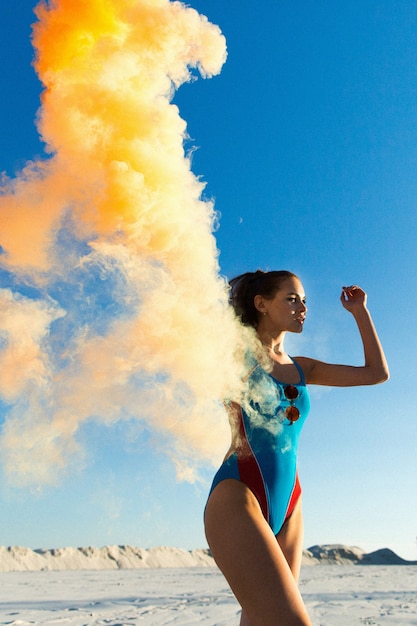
337, 554
17, 558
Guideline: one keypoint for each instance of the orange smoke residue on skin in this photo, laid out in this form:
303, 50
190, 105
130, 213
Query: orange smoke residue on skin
113, 216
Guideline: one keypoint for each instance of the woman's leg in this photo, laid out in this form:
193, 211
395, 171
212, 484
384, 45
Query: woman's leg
291, 539
247, 552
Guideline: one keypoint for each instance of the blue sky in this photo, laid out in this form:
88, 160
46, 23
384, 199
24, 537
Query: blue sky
307, 141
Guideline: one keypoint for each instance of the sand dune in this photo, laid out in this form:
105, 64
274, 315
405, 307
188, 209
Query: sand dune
17, 558
337, 554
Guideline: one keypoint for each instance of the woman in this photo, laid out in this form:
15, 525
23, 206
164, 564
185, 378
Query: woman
253, 517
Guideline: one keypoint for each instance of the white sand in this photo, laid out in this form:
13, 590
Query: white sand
336, 595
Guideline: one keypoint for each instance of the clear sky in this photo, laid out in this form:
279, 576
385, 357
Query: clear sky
307, 142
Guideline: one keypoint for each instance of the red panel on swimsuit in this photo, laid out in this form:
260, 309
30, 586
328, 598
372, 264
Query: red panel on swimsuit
249, 470
296, 493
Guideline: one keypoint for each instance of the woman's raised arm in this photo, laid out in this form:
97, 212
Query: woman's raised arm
375, 369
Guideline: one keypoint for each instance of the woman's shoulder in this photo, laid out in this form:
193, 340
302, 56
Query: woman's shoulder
306, 363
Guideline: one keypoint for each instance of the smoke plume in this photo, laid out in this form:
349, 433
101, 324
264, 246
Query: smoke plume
112, 306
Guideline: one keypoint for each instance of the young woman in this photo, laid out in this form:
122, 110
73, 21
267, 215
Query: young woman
253, 517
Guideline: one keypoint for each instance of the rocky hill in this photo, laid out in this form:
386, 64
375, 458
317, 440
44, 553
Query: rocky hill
17, 558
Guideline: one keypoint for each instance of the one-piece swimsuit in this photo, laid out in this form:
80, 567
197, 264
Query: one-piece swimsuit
265, 456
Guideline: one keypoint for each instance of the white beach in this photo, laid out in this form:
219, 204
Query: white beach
339, 595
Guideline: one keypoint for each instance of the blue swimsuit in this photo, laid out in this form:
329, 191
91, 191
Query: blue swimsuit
265, 458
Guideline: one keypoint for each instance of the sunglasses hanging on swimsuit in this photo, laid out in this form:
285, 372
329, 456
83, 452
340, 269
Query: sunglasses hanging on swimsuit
291, 412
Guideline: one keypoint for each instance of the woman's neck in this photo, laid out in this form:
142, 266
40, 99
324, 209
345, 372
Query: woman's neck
273, 344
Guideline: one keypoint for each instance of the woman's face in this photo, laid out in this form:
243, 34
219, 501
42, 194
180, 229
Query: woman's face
286, 311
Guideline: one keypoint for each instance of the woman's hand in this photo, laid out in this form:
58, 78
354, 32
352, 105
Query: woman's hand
353, 298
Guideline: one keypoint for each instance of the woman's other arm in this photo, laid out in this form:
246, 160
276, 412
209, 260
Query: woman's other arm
375, 369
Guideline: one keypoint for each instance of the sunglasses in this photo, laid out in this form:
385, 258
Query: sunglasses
291, 412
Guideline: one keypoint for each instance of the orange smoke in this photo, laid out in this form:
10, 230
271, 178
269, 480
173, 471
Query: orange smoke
129, 317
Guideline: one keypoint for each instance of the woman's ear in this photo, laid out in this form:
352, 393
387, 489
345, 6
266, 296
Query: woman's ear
259, 303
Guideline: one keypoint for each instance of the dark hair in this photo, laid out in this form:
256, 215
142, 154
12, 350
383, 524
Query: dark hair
245, 287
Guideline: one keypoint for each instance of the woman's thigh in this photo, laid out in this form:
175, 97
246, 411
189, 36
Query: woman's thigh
247, 552
291, 539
